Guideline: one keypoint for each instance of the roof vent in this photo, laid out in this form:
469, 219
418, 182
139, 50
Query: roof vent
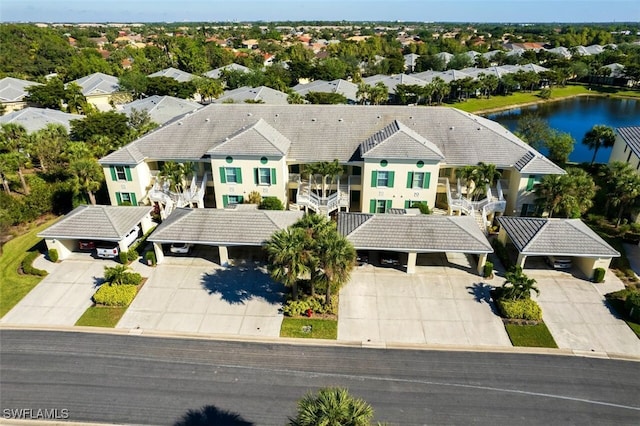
179, 123
479, 128
313, 119
340, 119
207, 119
249, 114
277, 115
411, 117
451, 128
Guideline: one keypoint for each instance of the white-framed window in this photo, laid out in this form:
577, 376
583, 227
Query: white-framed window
264, 176
418, 180
120, 173
235, 199
126, 197
381, 206
383, 178
231, 174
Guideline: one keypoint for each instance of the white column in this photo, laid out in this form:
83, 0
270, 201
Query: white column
224, 255
482, 260
157, 248
411, 262
521, 259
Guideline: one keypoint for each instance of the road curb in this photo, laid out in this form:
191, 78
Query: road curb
323, 342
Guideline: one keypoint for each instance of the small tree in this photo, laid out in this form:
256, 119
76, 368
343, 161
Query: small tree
600, 136
271, 203
332, 406
518, 286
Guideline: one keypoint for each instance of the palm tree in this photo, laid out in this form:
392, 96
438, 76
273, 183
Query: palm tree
363, 95
116, 274
326, 170
288, 257
379, 93
570, 194
440, 89
13, 146
89, 175
174, 173
518, 285
623, 184
598, 137
336, 259
332, 407
549, 193
316, 228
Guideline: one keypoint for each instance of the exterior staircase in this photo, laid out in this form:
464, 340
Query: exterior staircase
168, 200
322, 205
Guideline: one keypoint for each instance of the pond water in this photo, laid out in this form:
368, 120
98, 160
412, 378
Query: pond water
577, 116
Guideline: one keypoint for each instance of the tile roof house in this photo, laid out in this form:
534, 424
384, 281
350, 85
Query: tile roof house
217, 73
34, 119
261, 94
627, 146
99, 89
161, 109
13, 92
345, 88
174, 73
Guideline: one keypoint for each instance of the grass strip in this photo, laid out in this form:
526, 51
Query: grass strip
309, 328
535, 336
102, 316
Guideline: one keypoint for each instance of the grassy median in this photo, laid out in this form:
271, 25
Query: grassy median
102, 316
14, 285
309, 328
535, 336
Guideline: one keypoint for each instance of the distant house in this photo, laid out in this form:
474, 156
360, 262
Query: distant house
13, 92
410, 62
99, 89
345, 88
161, 109
174, 73
34, 119
217, 73
261, 94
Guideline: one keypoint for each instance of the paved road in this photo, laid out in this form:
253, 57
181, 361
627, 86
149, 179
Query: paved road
148, 380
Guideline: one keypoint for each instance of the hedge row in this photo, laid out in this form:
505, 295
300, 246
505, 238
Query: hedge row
526, 309
115, 295
27, 265
295, 308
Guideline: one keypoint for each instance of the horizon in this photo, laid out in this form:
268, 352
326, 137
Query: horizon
360, 11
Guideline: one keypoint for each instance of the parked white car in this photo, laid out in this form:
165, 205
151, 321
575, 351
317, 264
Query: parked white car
180, 248
559, 262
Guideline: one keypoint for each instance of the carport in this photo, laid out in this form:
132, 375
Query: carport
95, 223
229, 228
411, 235
533, 236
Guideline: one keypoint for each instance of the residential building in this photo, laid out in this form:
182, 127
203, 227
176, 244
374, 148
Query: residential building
627, 146
161, 109
13, 92
99, 89
34, 119
261, 94
174, 73
346, 88
391, 158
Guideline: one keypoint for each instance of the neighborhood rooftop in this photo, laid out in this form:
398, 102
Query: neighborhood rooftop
328, 132
34, 119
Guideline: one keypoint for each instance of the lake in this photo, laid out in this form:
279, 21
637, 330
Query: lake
577, 116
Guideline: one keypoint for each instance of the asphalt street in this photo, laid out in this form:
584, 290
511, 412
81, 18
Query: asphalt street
150, 380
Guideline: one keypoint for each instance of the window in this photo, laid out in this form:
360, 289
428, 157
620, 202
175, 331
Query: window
126, 199
120, 173
264, 176
418, 180
232, 199
379, 206
382, 178
531, 183
230, 175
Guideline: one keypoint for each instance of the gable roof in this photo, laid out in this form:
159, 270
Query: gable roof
346, 88
34, 119
217, 73
98, 84
14, 89
631, 136
398, 141
420, 233
258, 139
222, 227
261, 93
560, 237
105, 223
173, 73
161, 109
391, 81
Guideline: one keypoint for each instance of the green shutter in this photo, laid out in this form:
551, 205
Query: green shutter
113, 173
223, 175
273, 176
118, 198
390, 184
225, 200
238, 175
255, 176
374, 179
410, 180
427, 180
531, 182
127, 172
388, 206
134, 202
372, 206
407, 204
240, 199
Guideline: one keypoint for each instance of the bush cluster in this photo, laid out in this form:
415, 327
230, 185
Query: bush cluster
53, 255
526, 309
488, 269
27, 265
271, 203
598, 275
115, 295
632, 305
150, 255
295, 308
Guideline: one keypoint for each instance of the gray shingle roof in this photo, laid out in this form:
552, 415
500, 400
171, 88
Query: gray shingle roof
106, 223
328, 132
398, 141
34, 119
98, 84
161, 109
391, 81
420, 233
14, 89
559, 237
346, 88
261, 93
173, 73
222, 227
217, 73
258, 139
535, 163
631, 136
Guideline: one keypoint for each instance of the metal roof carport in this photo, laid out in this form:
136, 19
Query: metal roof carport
534, 236
95, 223
222, 228
415, 234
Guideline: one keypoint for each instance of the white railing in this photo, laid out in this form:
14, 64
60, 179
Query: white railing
499, 190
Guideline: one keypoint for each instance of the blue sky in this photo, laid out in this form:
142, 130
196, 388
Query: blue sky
351, 10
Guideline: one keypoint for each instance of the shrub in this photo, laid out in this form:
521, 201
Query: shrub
132, 255
619, 295
545, 93
299, 307
115, 295
271, 203
526, 309
632, 305
422, 206
53, 255
27, 265
118, 275
488, 269
150, 256
598, 275
124, 257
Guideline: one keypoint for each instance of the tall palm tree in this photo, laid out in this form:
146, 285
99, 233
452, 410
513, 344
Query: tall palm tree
174, 173
379, 93
288, 257
332, 407
518, 286
14, 149
89, 175
317, 229
440, 89
336, 259
600, 136
623, 184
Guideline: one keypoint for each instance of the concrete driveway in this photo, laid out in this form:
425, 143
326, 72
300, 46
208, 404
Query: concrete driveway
439, 304
195, 295
63, 295
575, 312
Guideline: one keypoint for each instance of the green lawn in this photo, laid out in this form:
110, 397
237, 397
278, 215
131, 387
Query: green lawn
102, 316
320, 328
13, 286
537, 336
